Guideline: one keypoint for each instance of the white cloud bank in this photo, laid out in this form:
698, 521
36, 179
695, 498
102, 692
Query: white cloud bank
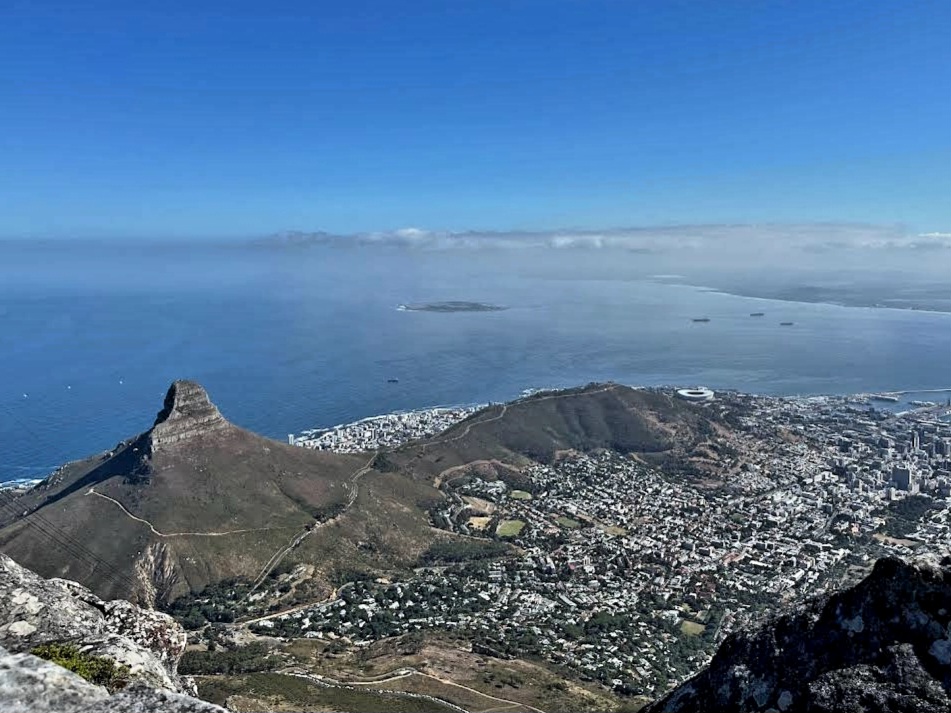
752, 239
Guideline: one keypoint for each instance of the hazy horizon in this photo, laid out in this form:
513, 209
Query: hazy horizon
885, 256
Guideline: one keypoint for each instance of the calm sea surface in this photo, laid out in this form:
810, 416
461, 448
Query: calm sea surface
91, 337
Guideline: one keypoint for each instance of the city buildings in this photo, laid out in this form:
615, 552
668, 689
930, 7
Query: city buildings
631, 573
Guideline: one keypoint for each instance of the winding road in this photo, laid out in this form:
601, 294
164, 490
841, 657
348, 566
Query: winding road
352, 486
407, 672
158, 533
278, 556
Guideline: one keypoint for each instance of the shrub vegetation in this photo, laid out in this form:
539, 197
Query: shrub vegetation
95, 669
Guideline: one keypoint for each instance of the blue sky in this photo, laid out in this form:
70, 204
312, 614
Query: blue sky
245, 118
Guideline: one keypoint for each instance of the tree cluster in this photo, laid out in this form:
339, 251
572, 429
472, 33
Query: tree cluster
247, 659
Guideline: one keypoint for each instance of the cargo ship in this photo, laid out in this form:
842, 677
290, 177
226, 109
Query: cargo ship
757, 314
786, 324
701, 319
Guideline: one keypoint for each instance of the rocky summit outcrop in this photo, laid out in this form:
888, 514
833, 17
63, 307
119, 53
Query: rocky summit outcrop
35, 611
883, 646
186, 414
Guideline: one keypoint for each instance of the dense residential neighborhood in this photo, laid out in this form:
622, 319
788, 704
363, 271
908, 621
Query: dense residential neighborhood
630, 573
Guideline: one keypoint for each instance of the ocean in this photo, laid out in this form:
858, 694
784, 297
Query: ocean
91, 336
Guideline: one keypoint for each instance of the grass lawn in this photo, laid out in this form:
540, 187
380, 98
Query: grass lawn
521, 495
479, 523
510, 528
568, 523
692, 628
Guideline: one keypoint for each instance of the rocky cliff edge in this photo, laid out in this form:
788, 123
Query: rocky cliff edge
883, 646
186, 414
31, 685
36, 611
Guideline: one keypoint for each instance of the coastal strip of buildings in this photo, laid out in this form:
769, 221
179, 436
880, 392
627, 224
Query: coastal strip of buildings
385, 431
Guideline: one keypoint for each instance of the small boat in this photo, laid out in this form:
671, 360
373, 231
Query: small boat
701, 319
392, 381
786, 324
757, 314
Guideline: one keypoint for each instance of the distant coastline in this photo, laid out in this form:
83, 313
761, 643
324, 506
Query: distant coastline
926, 299
451, 306
895, 401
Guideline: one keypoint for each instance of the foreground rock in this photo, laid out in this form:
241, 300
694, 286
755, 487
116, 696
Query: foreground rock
883, 646
31, 685
35, 611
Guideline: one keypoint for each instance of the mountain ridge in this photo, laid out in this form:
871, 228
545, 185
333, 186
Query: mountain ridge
138, 520
196, 500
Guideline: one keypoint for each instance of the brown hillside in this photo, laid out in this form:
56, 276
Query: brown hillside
597, 416
196, 500
193, 500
